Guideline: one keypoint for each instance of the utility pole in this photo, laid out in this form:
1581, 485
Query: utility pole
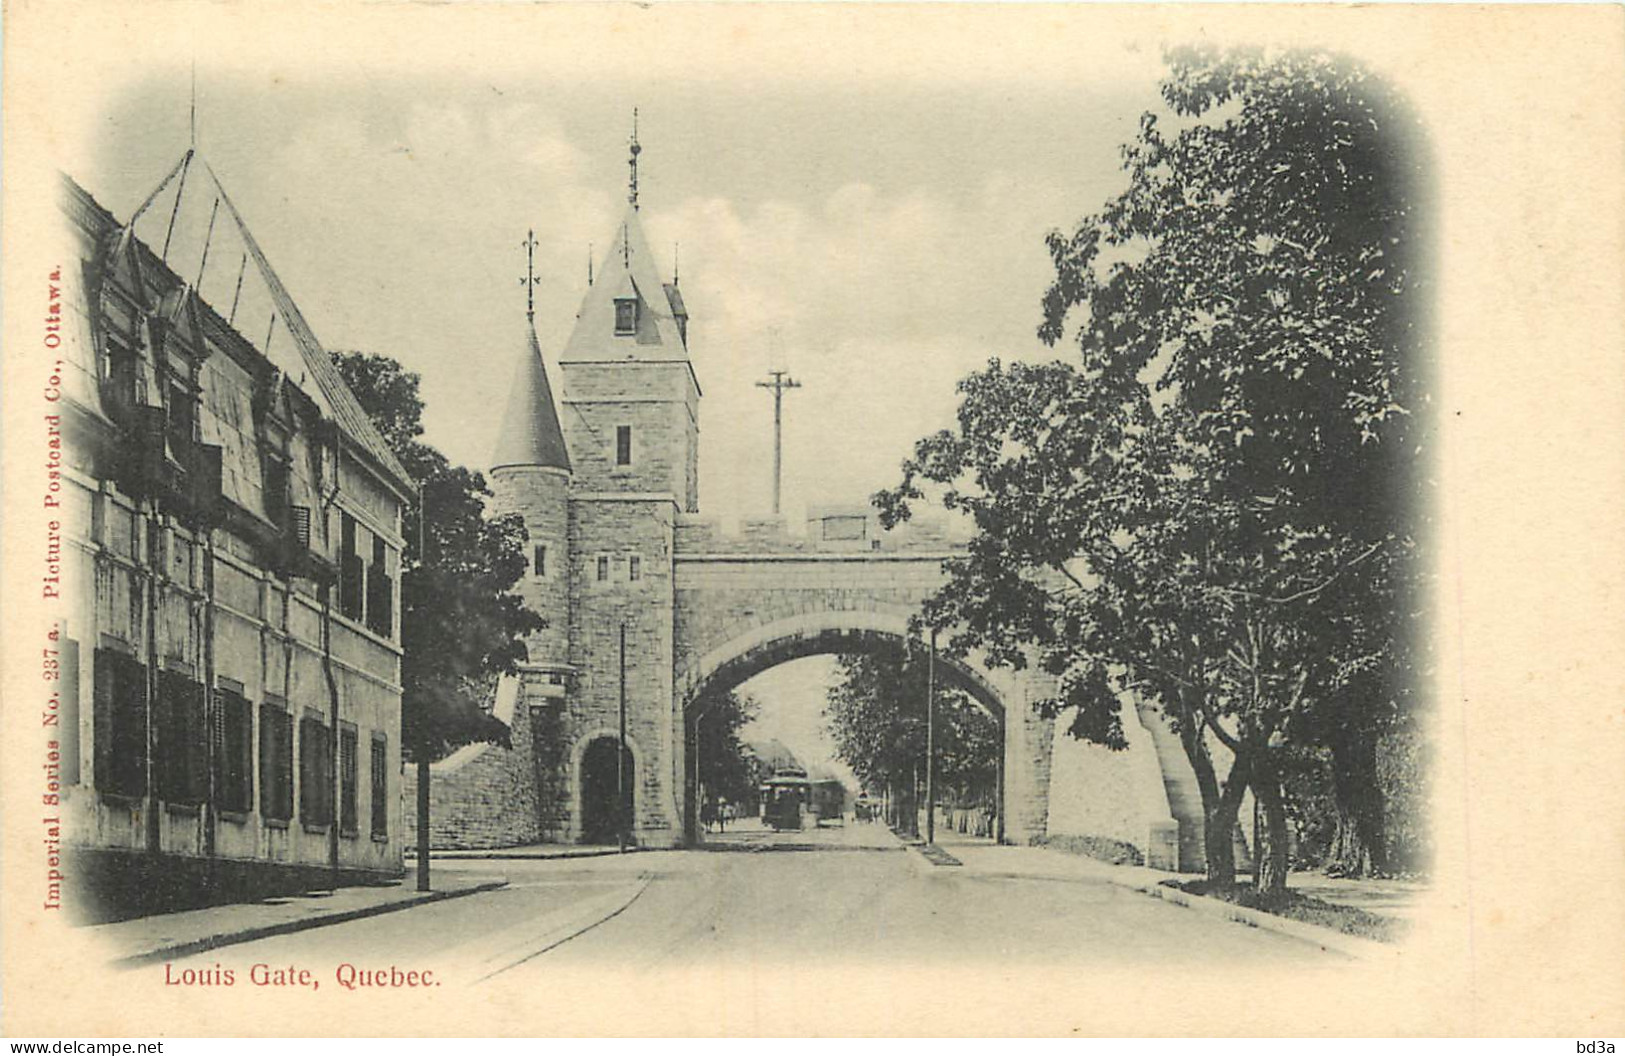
781, 380
931, 741
698, 802
623, 808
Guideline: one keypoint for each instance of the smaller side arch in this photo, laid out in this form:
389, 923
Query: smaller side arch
578, 753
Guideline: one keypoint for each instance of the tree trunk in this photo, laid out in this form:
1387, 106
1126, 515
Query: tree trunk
1270, 858
423, 819
1360, 845
1219, 807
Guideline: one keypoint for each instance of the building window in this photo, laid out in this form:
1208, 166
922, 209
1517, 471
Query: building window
315, 772
603, 568
69, 735
234, 751
380, 787
539, 564
351, 570
120, 723
626, 315
623, 445
349, 807
122, 373
276, 763
182, 740
380, 592
182, 418
276, 489
634, 568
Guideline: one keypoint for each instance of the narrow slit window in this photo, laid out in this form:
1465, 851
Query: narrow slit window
379, 771
623, 445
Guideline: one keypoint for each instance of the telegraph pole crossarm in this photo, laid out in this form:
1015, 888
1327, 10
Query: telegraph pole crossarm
780, 380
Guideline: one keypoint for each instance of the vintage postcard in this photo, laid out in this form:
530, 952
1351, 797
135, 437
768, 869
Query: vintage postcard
813, 519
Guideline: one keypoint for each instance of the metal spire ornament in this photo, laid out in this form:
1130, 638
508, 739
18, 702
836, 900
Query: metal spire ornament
632, 163
530, 281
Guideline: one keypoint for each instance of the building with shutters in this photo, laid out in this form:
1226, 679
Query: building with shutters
232, 540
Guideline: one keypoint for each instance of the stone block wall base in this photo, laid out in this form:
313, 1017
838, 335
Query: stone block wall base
109, 885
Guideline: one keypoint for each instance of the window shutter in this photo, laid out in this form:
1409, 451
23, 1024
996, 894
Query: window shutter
380, 787
105, 674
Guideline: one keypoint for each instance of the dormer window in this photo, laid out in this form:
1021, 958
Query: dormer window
626, 315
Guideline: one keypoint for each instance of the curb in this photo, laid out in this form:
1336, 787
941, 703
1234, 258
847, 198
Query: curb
1325, 938
289, 927
502, 855
933, 855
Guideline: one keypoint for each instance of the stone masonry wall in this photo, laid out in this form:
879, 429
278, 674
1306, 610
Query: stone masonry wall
620, 529
482, 795
1100, 794
660, 403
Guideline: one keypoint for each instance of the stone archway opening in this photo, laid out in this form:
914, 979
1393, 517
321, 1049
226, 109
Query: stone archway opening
730, 668
607, 791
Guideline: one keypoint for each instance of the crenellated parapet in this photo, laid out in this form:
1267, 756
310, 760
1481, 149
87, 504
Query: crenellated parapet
847, 529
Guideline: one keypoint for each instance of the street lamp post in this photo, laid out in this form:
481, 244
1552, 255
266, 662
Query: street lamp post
697, 804
931, 741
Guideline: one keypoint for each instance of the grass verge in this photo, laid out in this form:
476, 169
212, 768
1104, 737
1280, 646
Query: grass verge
1349, 920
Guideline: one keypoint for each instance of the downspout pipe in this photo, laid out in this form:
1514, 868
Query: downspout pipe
211, 704
334, 791
150, 800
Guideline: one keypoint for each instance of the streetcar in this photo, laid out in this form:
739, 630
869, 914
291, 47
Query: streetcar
785, 798
829, 801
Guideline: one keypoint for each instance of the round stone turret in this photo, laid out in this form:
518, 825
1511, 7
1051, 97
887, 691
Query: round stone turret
530, 476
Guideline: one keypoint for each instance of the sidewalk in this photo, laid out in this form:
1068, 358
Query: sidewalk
1394, 899
527, 852
166, 936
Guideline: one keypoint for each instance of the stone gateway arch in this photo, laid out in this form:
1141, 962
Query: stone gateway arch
648, 602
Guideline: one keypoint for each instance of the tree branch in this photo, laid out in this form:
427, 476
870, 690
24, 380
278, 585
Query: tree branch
1224, 736
1307, 591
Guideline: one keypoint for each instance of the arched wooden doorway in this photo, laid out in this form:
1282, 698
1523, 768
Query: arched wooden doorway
601, 805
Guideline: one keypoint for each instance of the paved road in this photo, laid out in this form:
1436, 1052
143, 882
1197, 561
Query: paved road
787, 926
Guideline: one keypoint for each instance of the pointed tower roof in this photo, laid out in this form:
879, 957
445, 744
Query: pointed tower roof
628, 272
530, 428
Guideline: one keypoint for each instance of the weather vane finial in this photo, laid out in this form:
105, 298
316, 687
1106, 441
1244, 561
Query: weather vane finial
632, 162
193, 111
530, 281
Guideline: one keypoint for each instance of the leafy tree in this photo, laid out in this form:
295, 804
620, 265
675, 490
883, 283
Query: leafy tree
725, 762
462, 626
1217, 505
876, 714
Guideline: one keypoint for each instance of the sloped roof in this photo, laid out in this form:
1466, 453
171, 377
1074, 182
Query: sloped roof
530, 433
628, 270
303, 360
333, 395
773, 754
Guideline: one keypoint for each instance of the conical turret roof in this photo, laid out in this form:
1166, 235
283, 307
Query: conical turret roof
530, 428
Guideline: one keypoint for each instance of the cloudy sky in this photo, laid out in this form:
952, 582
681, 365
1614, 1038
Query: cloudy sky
878, 232
879, 244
